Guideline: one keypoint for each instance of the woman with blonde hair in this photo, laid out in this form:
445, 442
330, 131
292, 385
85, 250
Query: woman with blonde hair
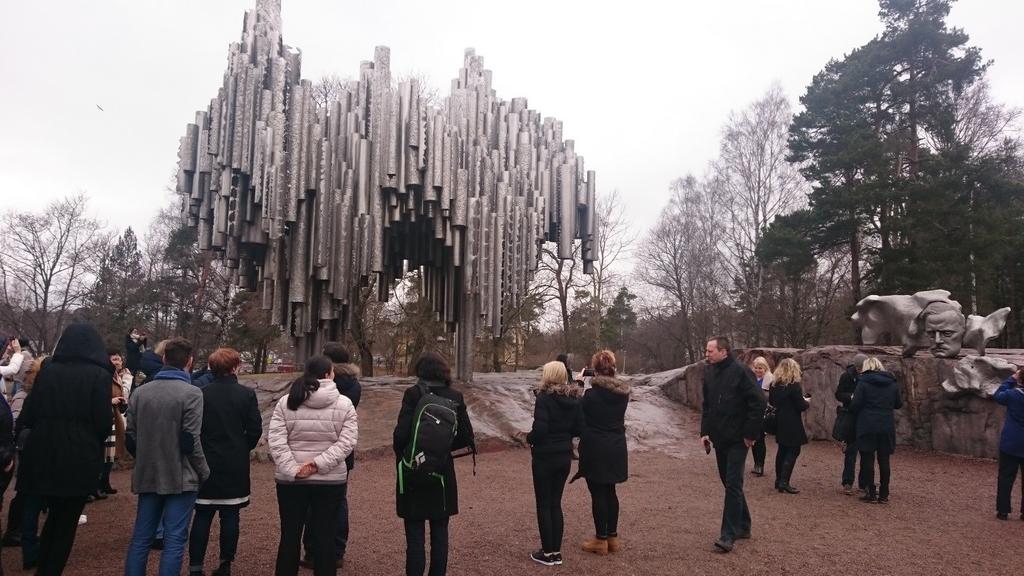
787, 397
763, 372
875, 401
557, 419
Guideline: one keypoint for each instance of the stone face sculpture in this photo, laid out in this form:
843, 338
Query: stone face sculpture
928, 319
307, 201
978, 375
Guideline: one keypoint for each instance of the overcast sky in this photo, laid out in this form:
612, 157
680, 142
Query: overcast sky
643, 86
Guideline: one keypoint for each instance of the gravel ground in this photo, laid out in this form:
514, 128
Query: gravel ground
940, 521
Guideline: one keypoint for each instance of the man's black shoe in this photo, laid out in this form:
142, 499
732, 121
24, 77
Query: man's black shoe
1002, 516
11, 540
724, 545
158, 544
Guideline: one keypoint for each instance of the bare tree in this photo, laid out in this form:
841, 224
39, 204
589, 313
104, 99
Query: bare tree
614, 242
48, 265
328, 89
681, 259
560, 281
754, 183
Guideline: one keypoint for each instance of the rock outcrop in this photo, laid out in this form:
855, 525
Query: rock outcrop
955, 419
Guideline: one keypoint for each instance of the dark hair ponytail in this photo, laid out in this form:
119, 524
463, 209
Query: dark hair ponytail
317, 367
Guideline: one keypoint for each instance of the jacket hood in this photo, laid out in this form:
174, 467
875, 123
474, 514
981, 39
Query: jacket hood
82, 343
566, 402
611, 384
350, 370
877, 378
326, 395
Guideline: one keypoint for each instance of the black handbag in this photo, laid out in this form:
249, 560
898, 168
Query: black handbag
842, 429
771, 421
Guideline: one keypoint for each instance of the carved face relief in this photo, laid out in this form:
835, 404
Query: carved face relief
945, 329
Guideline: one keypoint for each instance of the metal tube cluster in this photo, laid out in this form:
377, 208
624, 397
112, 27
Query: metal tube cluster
307, 203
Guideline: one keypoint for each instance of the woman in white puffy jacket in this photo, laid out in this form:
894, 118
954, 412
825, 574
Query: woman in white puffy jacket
311, 432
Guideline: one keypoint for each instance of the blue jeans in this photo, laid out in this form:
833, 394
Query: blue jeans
176, 510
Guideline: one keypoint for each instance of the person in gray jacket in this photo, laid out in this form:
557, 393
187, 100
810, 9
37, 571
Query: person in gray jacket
165, 421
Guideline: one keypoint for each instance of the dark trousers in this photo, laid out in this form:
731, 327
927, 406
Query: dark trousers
199, 537
58, 534
735, 516
105, 475
14, 513
320, 502
549, 474
31, 508
785, 461
604, 503
1008, 467
340, 533
850, 464
760, 451
415, 547
867, 471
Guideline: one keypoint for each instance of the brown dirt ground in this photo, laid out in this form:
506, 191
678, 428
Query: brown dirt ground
940, 521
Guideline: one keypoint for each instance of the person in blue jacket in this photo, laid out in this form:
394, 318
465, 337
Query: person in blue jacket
1011, 443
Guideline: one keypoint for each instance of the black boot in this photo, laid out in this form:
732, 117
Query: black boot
869, 495
223, 570
787, 473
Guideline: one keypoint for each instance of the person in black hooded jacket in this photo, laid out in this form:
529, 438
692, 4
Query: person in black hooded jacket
66, 420
875, 401
557, 419
604, 460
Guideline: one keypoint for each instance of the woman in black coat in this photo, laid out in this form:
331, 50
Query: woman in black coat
429, 498
875, 401
557, 419
232, 426
65, 421
787, 397
603, 458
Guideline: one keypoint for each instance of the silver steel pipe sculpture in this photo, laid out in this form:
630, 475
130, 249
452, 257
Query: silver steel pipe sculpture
307, 203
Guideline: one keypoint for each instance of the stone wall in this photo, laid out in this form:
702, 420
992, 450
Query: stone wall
931, 418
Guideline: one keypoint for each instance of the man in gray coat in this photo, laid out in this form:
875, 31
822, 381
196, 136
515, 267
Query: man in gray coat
165, 421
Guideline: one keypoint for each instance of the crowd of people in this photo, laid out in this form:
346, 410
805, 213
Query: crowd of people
190, 433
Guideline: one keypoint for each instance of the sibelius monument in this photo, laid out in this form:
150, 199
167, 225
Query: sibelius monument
307, 203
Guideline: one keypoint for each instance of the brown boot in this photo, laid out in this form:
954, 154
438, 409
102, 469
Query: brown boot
598, 546
614, 544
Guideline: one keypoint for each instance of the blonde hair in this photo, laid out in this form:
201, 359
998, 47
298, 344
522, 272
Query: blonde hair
555, 380
159, 350
787, 372
33, 371
873, 363
763, 362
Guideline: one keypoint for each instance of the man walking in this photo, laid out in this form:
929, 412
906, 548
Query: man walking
165, 420
733, 413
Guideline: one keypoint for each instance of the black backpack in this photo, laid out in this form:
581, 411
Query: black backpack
434, 427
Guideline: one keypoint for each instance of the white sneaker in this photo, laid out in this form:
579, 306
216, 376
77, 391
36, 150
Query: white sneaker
82, 519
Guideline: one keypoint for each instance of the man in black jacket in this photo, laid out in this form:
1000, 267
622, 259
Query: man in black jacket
346, 377
844, 394
731, 421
